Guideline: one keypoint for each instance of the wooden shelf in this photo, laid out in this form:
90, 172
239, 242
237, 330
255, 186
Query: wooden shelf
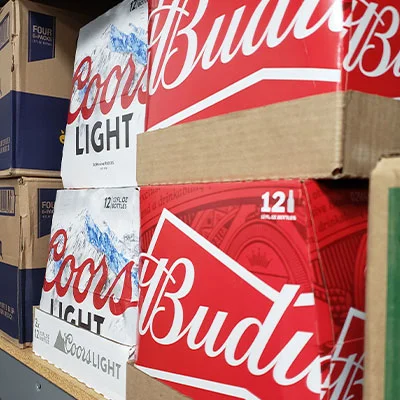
49, 372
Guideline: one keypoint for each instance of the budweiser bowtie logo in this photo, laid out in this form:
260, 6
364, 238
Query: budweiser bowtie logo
73, 277
250, 336
346, 377
223, 49
255, 339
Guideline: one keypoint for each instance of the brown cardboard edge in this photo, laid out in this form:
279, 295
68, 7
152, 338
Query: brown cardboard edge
39, 180
21, 180
384, 176
16, 42
334, 135
372, 128
35, 173
140, 386
299, 139
10, 9
7, 173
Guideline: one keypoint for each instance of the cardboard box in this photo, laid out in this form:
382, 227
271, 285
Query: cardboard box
37, 47
26, 211
383, 282
92, 270
325, 136
254, 289
140, 386
95, 361
208, 58
108, 101
277, 107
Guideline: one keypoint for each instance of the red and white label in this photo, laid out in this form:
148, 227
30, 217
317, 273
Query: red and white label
209, 57
237, 350
346, 375
91, 277
242, 296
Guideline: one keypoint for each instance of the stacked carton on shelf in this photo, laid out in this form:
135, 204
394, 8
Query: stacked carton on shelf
108, 101
304, 113
248, 285
26, 211
89, 301
221, 255
37, 45
246, 281
88, 310
208, 58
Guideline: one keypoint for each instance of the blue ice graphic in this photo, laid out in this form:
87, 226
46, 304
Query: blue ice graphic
103, 242
58, 265
121, 42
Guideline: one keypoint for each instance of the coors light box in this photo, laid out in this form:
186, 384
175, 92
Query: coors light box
91, 277
88, 310
254, 290
107, 107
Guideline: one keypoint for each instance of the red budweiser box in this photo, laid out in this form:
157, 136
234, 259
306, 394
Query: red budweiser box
251, 52
254, 290
283, 67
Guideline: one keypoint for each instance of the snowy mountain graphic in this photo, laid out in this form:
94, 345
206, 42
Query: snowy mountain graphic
129, 43
88, 239
114, 48
60, 343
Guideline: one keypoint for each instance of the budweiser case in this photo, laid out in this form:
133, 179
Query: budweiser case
382, 327
37, 46
254, 289
26, 211
91, 278
108, 100
330, 112
254, 53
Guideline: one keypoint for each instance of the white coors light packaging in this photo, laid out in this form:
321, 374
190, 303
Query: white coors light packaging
92, 276
108, 101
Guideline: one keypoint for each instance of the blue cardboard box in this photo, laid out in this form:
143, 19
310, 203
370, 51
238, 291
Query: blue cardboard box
26, 211
37, 49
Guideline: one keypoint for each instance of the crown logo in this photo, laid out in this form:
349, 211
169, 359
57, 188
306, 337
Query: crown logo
259, 259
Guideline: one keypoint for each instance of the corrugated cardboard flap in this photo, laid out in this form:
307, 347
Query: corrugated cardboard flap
140, 386
33, 248
314, 137
386, 175
372, 128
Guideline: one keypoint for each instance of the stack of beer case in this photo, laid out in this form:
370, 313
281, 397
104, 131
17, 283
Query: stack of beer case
37, 46
254, 195
86, 321
249, 281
